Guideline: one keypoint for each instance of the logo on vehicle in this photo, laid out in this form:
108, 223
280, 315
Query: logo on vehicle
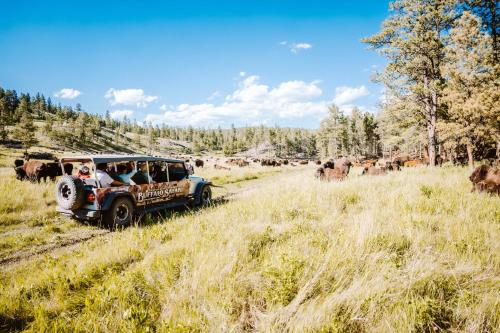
157, 193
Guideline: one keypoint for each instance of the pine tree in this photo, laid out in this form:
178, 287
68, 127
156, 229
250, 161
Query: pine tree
25, 131
412, 39
469, 72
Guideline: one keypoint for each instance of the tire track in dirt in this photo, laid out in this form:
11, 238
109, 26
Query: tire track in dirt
44, 249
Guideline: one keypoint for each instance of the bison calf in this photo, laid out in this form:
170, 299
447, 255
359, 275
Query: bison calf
486, 178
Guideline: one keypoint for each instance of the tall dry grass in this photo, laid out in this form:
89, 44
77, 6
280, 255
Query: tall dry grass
413, 251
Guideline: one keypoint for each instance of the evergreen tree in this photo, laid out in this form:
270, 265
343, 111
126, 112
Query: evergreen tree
412, 39
470, 72
25, 131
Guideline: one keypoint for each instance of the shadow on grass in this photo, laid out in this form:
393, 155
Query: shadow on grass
161, 216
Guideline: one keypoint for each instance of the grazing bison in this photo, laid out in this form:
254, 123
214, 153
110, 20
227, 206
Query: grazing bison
199, 163
34, 170
343, 164
334, 170
373, 171
52, 170
329, 165
20, 173
18, 163
330, 174
220, 167
486, 179
270, 162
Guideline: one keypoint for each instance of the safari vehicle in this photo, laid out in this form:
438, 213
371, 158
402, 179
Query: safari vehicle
155, 184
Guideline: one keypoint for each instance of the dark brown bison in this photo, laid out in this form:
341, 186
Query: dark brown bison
318, 162
34, 170
373, 171
199, 163
269, 162
486, 179
53, 169
401, 159
18, 163
20, 173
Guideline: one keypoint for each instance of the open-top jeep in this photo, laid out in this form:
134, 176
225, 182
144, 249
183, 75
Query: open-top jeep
151, 184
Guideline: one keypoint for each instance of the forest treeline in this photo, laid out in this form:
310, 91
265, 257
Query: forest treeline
441, 81
442, 95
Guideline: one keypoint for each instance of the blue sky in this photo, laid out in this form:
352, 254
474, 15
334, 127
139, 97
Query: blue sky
200, 63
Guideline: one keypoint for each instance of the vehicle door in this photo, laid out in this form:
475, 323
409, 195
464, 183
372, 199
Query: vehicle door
178, 179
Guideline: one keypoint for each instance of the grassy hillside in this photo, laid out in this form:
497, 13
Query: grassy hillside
408, 252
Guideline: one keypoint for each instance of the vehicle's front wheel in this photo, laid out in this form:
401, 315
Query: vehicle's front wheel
120, 213
206, 196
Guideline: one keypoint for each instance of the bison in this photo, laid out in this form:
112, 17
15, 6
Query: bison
485, 179
34, 170
199, 163
329, 174
334, 170
220, 167
373, 171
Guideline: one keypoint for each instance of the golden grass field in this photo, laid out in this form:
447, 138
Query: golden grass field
412, 251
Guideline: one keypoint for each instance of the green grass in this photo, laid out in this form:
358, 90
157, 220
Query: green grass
412, 251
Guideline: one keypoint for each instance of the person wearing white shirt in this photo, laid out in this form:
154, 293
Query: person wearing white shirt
104, 179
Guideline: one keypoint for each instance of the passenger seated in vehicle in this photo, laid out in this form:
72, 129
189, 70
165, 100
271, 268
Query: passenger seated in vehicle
124, 175
141, 176
83, 172
104, 179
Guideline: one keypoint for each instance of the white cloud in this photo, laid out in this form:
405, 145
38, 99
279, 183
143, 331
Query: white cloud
251, 103
214, 95
242, 74
163, 107
345, 95
129, 97
296, 47
120, 114
300, 46
68, 93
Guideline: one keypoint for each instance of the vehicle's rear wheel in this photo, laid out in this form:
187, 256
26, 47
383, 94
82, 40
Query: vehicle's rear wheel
206, 196
69, 192
120, 214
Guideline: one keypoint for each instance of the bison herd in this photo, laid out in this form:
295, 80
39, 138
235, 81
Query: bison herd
36, 170
485, 178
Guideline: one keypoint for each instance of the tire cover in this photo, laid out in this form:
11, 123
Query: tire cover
69, 192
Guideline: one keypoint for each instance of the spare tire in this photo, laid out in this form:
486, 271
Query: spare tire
69, 192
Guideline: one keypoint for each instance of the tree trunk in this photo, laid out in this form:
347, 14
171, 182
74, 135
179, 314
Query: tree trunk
470, 155
431, 117
498, 148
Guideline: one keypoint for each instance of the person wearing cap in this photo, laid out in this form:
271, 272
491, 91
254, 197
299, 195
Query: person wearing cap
83, 172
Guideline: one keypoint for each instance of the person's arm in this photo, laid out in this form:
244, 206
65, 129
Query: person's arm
117, 183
